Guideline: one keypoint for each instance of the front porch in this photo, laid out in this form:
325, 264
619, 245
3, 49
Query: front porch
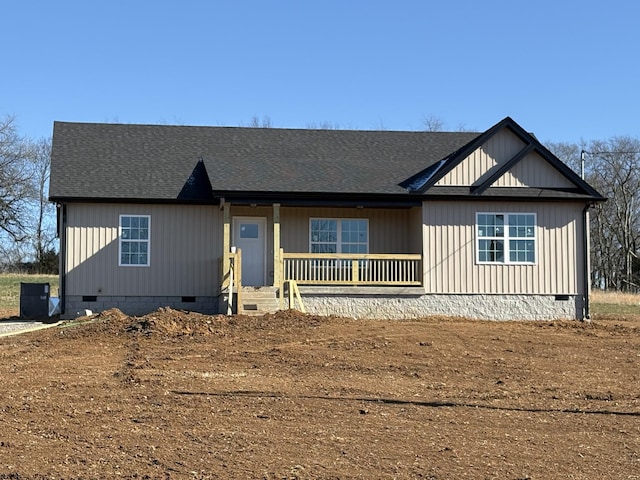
326, 274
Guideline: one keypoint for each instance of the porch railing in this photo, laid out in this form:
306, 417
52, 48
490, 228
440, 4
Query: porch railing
352, 269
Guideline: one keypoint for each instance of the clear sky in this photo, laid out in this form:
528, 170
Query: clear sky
563, 69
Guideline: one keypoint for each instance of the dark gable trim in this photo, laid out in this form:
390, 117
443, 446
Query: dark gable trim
456, 158
478, 189
530, 141
554, 161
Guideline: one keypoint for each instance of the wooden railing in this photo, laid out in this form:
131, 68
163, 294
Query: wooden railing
352, 269
232, 278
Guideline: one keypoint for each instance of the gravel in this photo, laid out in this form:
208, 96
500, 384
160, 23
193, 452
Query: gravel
12, 327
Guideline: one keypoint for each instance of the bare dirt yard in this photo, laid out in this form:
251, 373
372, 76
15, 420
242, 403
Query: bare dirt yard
176, 395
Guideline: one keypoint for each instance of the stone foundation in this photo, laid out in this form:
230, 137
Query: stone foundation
486, 307
405, 304
75, 305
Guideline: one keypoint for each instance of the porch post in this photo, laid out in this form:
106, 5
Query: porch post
226, 244
277, 260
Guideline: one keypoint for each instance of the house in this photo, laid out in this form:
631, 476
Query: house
384, 224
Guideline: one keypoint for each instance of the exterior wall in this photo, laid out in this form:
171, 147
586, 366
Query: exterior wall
450, 260
390, 230
500, 148
415, 231
531, 171
484, 307
139, 305
185, 248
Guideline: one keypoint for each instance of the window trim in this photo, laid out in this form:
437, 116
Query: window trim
339, 243
506, 239
147, 241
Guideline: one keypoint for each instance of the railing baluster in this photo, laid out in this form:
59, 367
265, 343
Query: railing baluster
352, 269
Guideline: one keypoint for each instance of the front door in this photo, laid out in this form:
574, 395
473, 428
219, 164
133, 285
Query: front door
249, 236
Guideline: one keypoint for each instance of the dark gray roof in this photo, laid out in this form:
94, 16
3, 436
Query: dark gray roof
155, 162
122, 162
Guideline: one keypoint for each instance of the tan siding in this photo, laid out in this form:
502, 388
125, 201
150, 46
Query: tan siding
185, 247
415, 230
390, 230
499, 149
533, 171
450, 265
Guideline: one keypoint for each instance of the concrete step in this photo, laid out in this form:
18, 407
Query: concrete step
258, 300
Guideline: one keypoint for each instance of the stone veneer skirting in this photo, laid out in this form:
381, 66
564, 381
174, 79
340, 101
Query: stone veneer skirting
486, 307
75, 306
404, 305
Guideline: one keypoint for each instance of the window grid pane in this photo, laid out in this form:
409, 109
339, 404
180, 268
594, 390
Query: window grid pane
339, 235
134, 240
519, 238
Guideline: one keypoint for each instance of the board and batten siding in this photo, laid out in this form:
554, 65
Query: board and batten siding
390, 230
185, 247
531, 171
450, 265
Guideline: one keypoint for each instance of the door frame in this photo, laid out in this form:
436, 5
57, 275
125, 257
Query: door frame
262, 221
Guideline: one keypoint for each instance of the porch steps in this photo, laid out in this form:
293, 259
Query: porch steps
258, 300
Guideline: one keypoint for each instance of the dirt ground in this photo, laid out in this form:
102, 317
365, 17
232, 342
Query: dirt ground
174, 395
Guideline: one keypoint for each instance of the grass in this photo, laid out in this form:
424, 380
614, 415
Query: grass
10, 288
612, 302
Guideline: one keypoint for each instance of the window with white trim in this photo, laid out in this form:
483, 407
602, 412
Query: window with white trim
134, 240
339, 235
508, 238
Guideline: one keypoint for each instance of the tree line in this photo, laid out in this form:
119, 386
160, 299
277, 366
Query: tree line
611, 167
28, 220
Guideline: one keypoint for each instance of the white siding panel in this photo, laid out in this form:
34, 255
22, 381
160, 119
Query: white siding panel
450, 258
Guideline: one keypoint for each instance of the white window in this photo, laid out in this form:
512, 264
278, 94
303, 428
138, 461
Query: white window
506, 238
134, 240
339, 235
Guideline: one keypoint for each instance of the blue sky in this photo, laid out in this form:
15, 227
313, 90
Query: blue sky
565, 70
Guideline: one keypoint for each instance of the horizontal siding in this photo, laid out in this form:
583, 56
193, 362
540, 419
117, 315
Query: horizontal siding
450, 266
186, 244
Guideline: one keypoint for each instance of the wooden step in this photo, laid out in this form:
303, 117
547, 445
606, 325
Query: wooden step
258, 300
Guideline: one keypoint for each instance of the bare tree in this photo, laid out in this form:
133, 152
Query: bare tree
43, 211
613, 169
255, 122
433, 124
569, 153
323, 126
16, 188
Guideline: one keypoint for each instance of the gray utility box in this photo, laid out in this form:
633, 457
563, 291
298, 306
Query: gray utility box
34, 300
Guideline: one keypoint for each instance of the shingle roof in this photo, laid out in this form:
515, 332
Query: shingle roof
126, 162
155, 162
